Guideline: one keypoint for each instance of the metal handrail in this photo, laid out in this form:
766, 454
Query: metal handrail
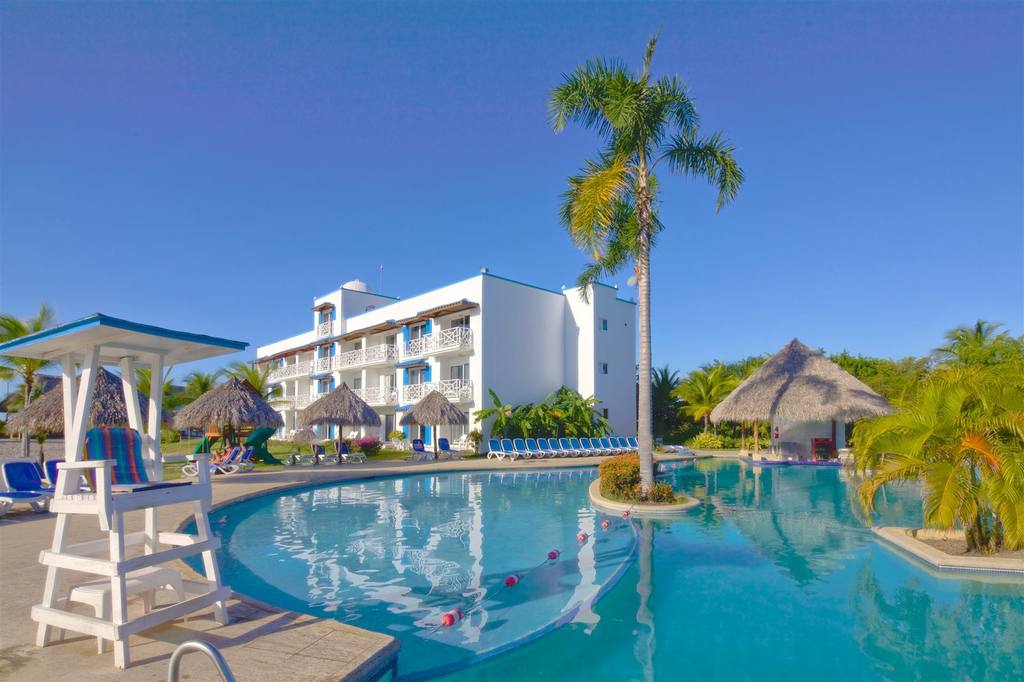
173, 668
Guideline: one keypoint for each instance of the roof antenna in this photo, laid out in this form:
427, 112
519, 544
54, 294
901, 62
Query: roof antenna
380, 280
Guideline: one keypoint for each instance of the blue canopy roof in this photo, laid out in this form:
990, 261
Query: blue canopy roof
117, 339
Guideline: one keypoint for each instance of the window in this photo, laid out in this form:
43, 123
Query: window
418, 331
461, 322
604, 368
358, 345
357, 383
604, 324
604, 413
390, 339
417, 375
389, 424
460, 372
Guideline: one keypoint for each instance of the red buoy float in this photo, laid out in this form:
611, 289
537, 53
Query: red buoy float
606, 524
512, 581
625, 514
451, 618
553, 554
581, 538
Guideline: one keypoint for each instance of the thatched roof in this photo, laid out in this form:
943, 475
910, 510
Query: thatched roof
340, 407
232, 403
45, 414
434, 410
798, 384
44, 382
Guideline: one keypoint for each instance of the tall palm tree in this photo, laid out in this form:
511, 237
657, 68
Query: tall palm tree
664, 403
979, 344
25, 369
257, 376
703, 390
197, 383
144, 384
609, 209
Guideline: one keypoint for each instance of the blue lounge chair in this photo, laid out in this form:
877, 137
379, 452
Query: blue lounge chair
548, 448
607, 444
328, 457
565, 445
444, 448
9, 498
578, 449
632, 443
347, 455
555, 446
535, 449
520, 447
597, 448
50, 467
494, 449
25, 477
623, 444
508, 449
419, 452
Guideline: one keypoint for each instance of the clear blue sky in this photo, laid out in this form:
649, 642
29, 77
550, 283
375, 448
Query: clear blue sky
212, 167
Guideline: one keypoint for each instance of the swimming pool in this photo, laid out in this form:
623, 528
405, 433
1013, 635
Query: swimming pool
775, 577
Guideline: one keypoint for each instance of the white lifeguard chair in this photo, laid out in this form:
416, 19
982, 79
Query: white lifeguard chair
90, 342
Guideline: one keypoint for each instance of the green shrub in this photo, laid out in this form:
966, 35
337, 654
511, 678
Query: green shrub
396, 435
661, 493
169, 435
475, 437
706, 441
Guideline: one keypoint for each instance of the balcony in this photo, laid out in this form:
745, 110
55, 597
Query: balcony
299, 369
290, 402
374, 355
445, 340
324, 329
378, 396
455, 390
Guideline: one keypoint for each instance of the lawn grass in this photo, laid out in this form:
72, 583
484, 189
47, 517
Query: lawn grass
281, 450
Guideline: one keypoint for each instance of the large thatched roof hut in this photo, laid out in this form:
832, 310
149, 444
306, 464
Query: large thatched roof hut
340, 407
434, 410
797, 390
233, 403
45, 414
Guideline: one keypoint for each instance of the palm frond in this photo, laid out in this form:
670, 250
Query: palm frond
710, 158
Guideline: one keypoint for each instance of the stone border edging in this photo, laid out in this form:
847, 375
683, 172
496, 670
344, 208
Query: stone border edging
949, 565
605, 504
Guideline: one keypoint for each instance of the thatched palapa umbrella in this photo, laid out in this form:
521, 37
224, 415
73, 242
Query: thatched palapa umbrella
340, 407
798, 384
435, 410
230, 405
305, 436
46, 413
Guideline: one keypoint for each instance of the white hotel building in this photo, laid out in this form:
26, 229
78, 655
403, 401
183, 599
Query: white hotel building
485, 332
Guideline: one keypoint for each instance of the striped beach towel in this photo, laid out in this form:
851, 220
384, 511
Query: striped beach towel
124, 446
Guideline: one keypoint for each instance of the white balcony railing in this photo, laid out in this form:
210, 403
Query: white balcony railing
321, 365
297, 370
297, 402
373, 355
455, 390
376, 395
455, 338
324, 329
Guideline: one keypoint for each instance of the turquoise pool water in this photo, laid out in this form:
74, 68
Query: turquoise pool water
774, 577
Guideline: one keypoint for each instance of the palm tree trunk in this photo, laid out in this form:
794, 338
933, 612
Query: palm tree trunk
25, 440
706, 422
645, 438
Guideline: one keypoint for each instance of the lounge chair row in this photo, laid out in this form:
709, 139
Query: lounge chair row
238, 460
538, 448
337, 455
27, 483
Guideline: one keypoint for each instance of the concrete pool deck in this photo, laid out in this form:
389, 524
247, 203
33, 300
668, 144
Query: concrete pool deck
260, 643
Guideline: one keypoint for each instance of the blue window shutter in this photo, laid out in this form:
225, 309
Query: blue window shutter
405, 431
426, 374
428, 326
405, 333
405, 376
332, 349
332, 384
426, 435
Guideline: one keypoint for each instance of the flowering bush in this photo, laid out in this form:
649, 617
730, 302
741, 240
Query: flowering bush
367, 446
620, 480
620, 477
